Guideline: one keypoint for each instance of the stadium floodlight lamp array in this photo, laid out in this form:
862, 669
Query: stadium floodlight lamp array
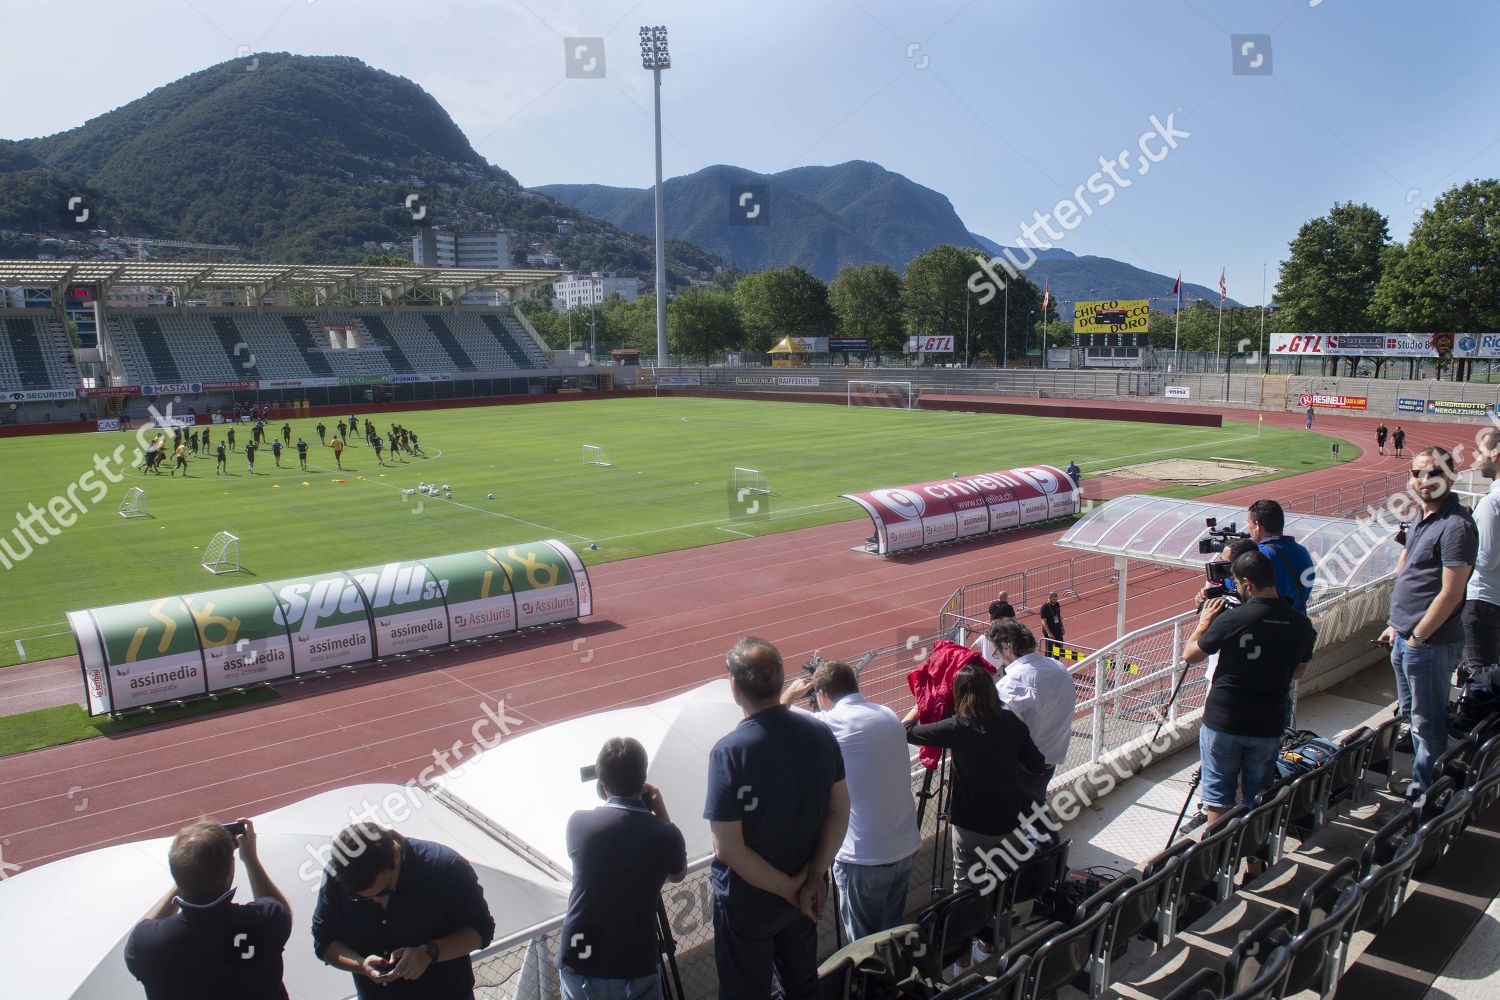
876, 392
654, 53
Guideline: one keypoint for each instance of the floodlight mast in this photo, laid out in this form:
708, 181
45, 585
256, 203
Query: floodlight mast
654, 56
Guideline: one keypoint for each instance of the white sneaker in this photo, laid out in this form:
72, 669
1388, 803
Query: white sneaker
977, 954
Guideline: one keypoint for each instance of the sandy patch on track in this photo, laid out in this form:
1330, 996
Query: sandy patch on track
1191, 471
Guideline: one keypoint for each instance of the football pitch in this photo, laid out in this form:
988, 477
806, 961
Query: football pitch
669, 485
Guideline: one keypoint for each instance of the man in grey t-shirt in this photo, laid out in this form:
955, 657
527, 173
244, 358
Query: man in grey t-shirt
1425, 629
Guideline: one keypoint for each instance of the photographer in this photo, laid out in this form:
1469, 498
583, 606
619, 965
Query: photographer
1262, 645
1230, 553
1295, 573
622, 854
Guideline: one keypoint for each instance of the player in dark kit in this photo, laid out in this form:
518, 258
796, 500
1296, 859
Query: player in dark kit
193, 442
343, 429
302, 453
276, 451
322, 431
1380, 433
223, 463
206, 446
416, 448
231, 439
376, 443
1398, 438
250, 456
286, 433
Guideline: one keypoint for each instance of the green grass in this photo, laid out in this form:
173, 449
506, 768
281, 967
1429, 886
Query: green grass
668, 489
51, 727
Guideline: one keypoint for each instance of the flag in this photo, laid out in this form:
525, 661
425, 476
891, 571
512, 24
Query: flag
1223, 291
1177, 288
1046, 296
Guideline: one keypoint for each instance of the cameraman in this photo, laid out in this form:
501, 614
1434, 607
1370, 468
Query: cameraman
1295, 573
1262, 645
1231, 552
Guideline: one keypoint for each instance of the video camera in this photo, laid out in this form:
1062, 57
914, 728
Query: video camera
1218, 570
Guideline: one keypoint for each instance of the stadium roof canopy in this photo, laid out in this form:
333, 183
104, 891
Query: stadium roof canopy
327, 281
1164, 531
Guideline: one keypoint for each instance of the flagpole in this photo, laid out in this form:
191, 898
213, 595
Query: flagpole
1219, 338
1177, 329
1264, 361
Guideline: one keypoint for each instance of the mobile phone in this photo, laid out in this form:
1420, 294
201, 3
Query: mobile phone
588, 772
235, 829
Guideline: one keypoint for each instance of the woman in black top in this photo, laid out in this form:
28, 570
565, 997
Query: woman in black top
994, 762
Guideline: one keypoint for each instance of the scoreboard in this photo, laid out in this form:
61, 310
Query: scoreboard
1112, 341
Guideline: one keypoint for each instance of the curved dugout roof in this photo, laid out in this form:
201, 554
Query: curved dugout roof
1164, 531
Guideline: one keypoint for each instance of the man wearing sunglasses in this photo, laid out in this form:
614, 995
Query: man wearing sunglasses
401, 915
1425, 631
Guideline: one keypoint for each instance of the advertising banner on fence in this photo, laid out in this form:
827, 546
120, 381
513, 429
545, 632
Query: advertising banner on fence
677, 380
1406, 404
361, 380
1459, 408
242, 634
232, 385
1379, 345
404, 379
149, 652
172, 389
798, 380
910, 517
1332, 402
108, 391
110, 424
1178, 392
1112, 316
929, 345
1476, 345
321, 381
37, 395
854, 344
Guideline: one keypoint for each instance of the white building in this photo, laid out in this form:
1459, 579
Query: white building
591, 289
441, 248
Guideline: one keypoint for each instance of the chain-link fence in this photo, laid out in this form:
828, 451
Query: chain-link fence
1077, 577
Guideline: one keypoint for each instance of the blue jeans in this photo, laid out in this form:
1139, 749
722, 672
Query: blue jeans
1234, 763
1424, 676
576, 987
872, 898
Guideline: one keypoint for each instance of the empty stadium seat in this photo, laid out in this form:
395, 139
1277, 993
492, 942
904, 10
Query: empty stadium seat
949, 925
1383, 890
1262, 832
1307, 812
1065, 955
1204, 876
1134, 911
1437, 835
1454, 762
1031, 881
35, 353
1205, 984
1348, 779
1388, 841
1268, 979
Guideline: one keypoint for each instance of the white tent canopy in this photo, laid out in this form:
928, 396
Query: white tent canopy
529, 786
1164, 531
63, 926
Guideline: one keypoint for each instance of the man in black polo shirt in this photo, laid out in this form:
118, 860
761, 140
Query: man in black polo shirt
622, 854
401, 915
196, 942
1263, 645
778, 809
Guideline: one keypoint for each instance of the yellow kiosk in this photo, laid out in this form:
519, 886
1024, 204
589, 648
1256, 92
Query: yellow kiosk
792, 352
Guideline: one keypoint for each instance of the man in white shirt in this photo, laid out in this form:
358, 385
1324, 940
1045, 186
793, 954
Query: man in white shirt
1036, 688
1482, 597
874, 863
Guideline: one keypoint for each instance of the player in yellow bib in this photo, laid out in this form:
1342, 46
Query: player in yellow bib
337, 444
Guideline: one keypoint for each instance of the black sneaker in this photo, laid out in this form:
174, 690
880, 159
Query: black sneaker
1402, 743
1193, 822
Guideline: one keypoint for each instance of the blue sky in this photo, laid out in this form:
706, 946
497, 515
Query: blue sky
1005, 107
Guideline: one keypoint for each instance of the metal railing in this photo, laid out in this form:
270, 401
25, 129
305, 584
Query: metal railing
1077, 577
1349, 500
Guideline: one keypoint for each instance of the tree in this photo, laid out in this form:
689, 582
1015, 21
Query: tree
702, 322
374, 259
782, 302
1447, 276
937, 292
866, 302
1328, 283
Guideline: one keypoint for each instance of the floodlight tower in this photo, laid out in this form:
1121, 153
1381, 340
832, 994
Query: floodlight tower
654, 57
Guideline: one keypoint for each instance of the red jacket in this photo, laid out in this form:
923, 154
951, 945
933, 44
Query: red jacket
932, 684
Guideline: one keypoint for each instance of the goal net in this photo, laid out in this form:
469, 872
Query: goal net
894, 395
134, 504
222, 554
751, 481
593, 454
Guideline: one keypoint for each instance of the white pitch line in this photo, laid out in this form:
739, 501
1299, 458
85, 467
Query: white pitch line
1160, 451
494, 513
719, 528
789, 512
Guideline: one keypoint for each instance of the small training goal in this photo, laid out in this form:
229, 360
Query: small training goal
892, 395
749, 482
134, 504
593, 454
222, 554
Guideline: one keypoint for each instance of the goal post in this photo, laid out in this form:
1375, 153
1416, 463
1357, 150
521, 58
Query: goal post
222, 554
751, 481
134, 503
593, 454
877, 392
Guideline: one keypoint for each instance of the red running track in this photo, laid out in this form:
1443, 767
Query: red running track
666, 622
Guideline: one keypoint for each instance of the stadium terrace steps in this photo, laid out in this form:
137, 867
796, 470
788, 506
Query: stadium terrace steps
381, 335
160, 364
448, 342
508, 342
302, 336
26, 361
235, 346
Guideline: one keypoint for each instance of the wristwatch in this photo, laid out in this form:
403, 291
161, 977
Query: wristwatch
431, 949
1414, 639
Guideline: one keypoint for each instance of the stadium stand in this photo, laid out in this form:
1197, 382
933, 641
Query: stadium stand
34, 354
205, 345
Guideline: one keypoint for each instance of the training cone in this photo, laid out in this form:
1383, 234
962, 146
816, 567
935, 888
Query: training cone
306, 483
275, 486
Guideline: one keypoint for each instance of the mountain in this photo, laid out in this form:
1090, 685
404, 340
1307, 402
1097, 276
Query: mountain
304, 159
826, 218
